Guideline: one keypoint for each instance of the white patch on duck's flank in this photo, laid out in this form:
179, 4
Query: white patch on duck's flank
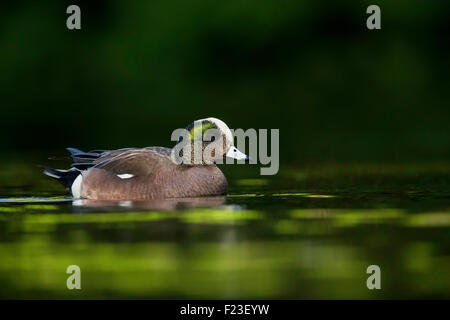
76, 186
125, 176
125, 204
222, 127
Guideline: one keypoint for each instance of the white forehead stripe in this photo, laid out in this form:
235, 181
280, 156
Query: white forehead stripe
222, 128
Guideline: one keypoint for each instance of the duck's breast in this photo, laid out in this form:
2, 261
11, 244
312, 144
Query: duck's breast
193, 181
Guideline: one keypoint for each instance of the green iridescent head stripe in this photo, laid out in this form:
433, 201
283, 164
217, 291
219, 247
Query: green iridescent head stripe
199, 130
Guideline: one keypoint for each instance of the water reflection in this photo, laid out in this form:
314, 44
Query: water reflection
157, 204
264, 240
35, 200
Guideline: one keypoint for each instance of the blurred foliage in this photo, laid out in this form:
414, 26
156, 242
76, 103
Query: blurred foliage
139, 69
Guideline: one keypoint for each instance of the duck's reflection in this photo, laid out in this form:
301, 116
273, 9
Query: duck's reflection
156, 204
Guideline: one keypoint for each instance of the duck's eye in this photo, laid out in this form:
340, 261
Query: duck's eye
180, 139
213, 138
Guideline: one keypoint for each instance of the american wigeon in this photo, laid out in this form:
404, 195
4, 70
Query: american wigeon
154, 172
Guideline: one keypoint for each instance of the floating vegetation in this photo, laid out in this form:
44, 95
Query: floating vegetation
246, 195
304, 194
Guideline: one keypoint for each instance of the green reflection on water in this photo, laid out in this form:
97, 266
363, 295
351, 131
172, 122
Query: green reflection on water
303, 194
266, 239
252, 182
434, 219
190, 216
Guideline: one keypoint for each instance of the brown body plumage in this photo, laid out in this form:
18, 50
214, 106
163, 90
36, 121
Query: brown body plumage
155, 176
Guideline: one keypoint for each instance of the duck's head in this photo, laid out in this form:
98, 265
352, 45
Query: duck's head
207, 141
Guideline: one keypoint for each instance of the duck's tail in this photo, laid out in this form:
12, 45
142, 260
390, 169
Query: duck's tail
65, 177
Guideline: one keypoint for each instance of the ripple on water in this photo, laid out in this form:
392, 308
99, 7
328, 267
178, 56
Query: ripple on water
35, 200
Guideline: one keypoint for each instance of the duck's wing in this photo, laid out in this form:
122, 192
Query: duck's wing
83, 160
133, 162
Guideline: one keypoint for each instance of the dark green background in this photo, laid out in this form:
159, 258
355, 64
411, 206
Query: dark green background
139, 69
364, 175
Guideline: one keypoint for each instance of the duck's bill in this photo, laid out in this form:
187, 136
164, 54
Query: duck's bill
234, 153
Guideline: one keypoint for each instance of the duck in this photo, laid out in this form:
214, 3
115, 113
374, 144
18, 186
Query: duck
154, 172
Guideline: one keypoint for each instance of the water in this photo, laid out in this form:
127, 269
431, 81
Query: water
309, 232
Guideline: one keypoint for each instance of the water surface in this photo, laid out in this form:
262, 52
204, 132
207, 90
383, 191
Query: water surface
309, 232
